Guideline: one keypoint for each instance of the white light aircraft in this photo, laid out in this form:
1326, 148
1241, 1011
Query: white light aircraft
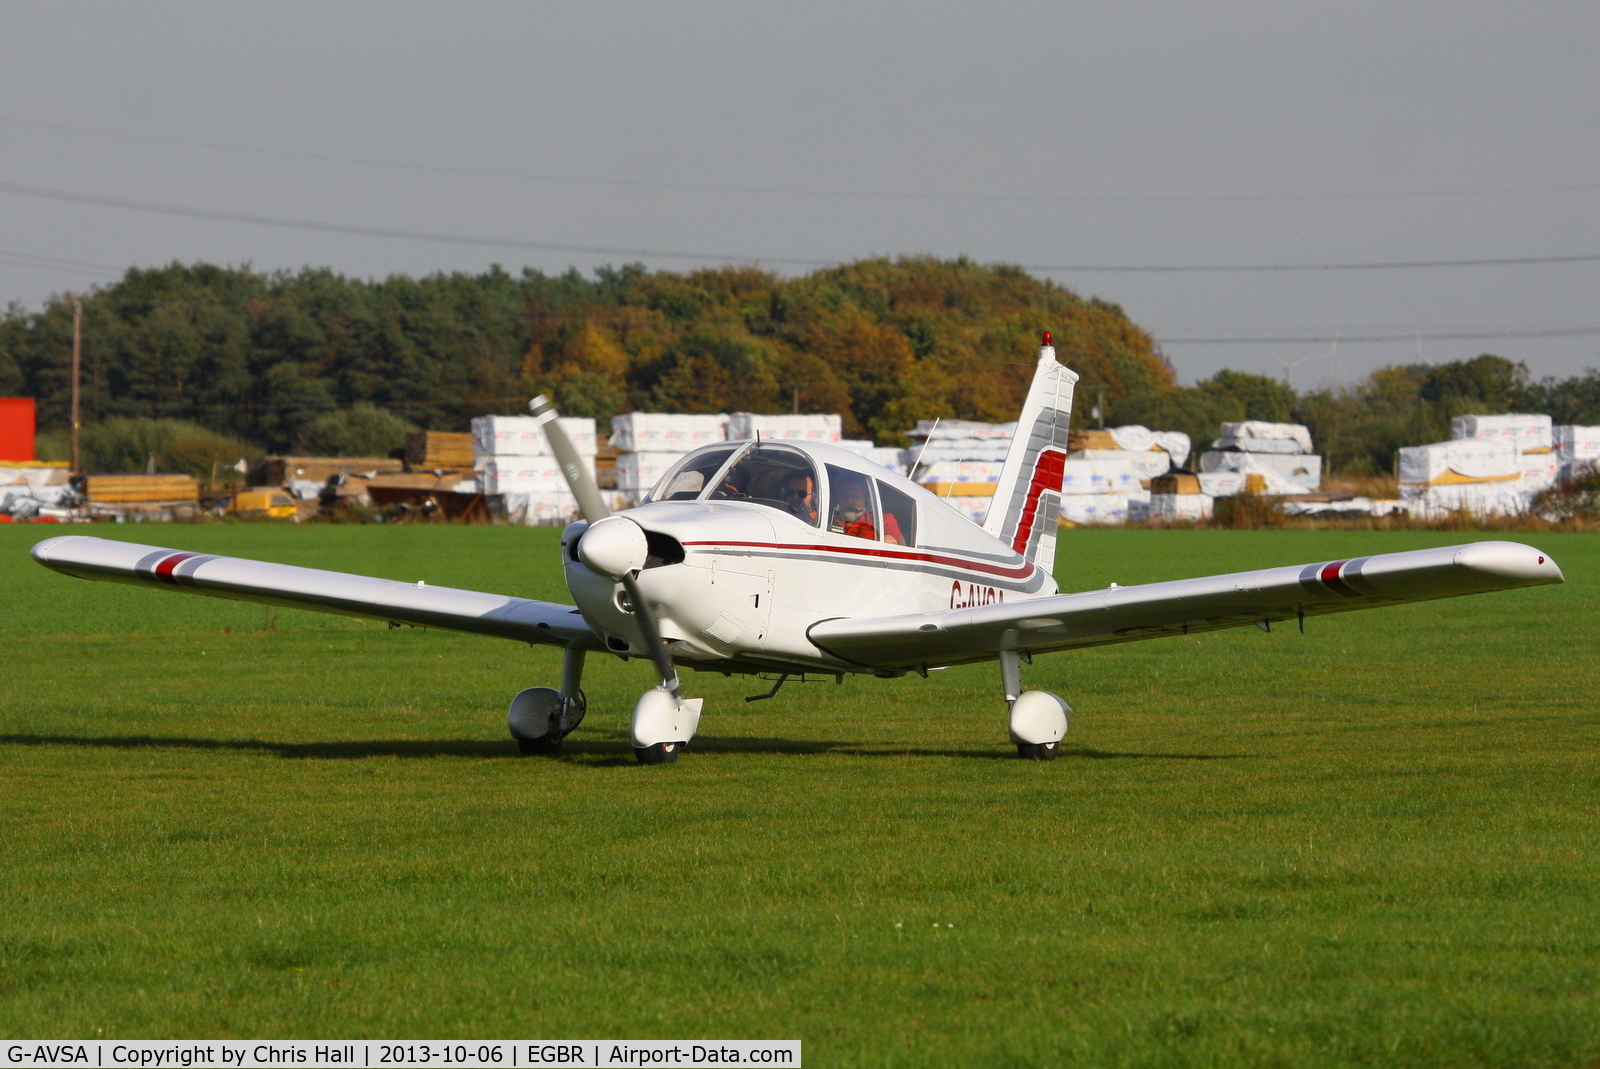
794, 558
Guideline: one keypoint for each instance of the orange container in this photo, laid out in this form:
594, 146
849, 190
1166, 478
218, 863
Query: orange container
18, 422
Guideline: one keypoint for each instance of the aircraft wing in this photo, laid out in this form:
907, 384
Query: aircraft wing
1182, 607
312, 588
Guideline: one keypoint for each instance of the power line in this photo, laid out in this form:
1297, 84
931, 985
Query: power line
52, 263
1320, 339
99, 200
1374, 265
377, 231
788, 191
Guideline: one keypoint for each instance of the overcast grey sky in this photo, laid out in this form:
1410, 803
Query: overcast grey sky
1135, 134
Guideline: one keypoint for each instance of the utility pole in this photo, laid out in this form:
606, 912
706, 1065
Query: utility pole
77, 366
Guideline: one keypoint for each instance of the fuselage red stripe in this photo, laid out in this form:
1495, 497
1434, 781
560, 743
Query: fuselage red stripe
1047, 474
1023, 572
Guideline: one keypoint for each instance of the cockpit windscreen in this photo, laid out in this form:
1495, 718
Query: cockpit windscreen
772, 475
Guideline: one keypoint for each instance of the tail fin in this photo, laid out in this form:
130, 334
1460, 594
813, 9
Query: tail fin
1027, 499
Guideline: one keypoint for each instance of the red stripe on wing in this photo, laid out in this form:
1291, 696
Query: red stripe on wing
1330, 578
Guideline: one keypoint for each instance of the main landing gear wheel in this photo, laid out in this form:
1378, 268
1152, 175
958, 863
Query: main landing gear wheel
1038, 751
662, 753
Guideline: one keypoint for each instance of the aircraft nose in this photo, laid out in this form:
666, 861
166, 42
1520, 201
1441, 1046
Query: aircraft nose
614, 547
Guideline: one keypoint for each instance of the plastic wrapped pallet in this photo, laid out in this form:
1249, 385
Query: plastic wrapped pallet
639, 471
539, 509
1137, 439
973, 508
1482, 476
1529, 432
884, 456
666, 432
1577, 443
1466, 460
1479, 498
810, 428
1168, 507
1568, 470
1144, 464
952, 471
1284, 473
521, 475
958, 430
1087, 477
1539, 471
992, 450
1094, 508
1221, 483
523, 436
1258, 436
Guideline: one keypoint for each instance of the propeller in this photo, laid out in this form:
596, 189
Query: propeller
579, 481
615, 547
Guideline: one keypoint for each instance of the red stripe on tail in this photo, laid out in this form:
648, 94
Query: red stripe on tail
1047, 474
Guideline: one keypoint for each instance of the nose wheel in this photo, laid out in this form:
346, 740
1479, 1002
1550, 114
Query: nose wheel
662, 753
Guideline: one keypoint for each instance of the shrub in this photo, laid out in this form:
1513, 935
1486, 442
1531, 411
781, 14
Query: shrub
362, 430
129, 445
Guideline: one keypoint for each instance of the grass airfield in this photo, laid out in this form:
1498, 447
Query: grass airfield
1372, 844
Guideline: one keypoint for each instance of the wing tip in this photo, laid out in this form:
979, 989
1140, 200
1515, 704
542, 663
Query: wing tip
1513, 562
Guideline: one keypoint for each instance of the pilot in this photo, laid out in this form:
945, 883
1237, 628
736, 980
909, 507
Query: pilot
800, 495
852, 515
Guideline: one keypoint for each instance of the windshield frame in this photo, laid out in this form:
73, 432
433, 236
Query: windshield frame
818, 480
683, 462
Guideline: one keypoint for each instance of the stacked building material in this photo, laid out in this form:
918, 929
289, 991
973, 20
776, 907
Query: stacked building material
884, 456
514, 466
820, 427
1147, 453
1178, 496
646, 444
1101, 490
1531, 435
127, 489
1577, 450
1482, 476
439, 451
31, 490
960, 460
287, 470
1279, 452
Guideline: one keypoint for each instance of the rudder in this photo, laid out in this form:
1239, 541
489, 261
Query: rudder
1027, 498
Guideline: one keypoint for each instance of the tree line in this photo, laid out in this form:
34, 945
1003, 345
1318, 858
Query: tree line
316, 361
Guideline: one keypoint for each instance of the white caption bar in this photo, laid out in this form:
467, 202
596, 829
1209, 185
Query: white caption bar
395, 1054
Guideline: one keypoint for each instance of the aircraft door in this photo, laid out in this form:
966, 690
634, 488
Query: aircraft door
740, 613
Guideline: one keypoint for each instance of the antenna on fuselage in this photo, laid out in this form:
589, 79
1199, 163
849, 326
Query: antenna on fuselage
918, 462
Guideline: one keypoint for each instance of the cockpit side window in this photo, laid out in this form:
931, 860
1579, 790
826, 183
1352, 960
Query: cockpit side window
688, 481
899, 516
850, 504
779, 478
